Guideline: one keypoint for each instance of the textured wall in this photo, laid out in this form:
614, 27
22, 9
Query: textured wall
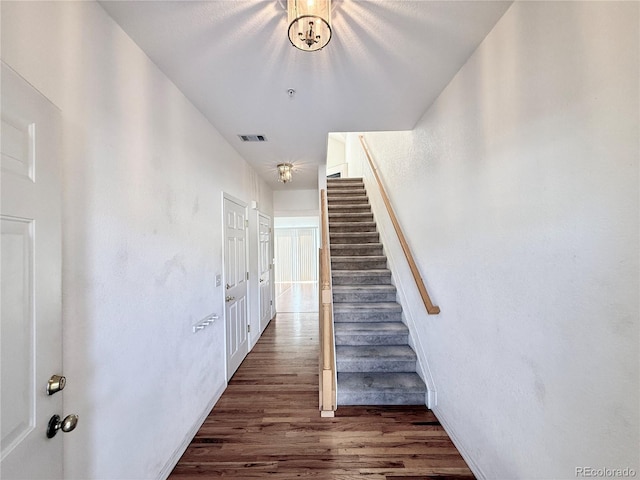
296, 203
144, 174
518, 191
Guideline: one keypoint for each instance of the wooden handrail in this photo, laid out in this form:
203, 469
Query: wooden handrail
327, 394
431, 308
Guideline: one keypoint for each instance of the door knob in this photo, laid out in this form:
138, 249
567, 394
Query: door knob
261, 280
228, 298
55, 384
67, 424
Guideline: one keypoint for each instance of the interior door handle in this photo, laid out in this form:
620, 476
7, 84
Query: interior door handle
228, 298
67, 424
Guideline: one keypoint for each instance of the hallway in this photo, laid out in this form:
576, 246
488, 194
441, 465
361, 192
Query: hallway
267, 423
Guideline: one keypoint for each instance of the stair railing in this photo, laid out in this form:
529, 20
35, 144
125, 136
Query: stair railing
431, 308
327, 362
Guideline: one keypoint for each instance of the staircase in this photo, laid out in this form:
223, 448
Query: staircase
375, 364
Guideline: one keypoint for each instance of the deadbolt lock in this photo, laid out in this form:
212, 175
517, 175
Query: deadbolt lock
55, 384
67, 424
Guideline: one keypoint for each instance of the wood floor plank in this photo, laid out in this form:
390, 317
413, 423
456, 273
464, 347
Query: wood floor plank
267, 424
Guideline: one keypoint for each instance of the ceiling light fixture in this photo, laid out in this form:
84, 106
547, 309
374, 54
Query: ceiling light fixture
285, 172
309, 23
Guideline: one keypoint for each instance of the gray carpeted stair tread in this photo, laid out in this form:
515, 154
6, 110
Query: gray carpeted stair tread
346, 258
351, 249
364, 288
347, 217
343, 238
363, 293
339, 247
351, 227
371, 333
359, 263
348, 199
387, 352
374, 276
405, 381
367, 328
368, 388
375, 358
370, 307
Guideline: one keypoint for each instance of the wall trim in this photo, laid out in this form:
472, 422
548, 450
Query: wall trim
179, 451
473, 465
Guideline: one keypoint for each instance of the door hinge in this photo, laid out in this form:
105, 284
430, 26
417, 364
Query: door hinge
247, 275
271, 302
246, 223
249, 328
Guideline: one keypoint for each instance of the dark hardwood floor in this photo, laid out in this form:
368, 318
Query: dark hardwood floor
267, 424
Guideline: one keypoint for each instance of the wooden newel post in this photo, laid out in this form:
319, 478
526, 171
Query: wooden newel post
326, 333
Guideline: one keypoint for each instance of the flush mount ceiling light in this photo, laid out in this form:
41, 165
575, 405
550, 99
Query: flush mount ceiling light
309, 23
285, 172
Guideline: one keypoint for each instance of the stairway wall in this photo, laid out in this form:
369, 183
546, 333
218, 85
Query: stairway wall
407, 293
518, 192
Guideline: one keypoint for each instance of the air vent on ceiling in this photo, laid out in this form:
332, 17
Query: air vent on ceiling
253, 138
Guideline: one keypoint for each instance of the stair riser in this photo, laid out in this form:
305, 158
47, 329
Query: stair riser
345, 185
352, 200
365, 237
345, 192
361, 227
344, 218
334, 182
357, 250
361, 280
365, 316
375, 365
364, 297
336, 264
351, 190
340, 208
378, 398
372, 339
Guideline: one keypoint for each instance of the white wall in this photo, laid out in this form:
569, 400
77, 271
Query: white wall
518, 192
144, 174
336, 158
295, 203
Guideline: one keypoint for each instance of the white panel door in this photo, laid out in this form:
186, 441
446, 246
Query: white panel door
31, 327
235, 260
266, 302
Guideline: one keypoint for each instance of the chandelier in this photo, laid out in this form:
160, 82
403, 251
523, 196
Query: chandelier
309, 24
285, 172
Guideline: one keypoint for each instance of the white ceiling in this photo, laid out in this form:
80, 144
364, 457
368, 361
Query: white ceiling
386, 63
